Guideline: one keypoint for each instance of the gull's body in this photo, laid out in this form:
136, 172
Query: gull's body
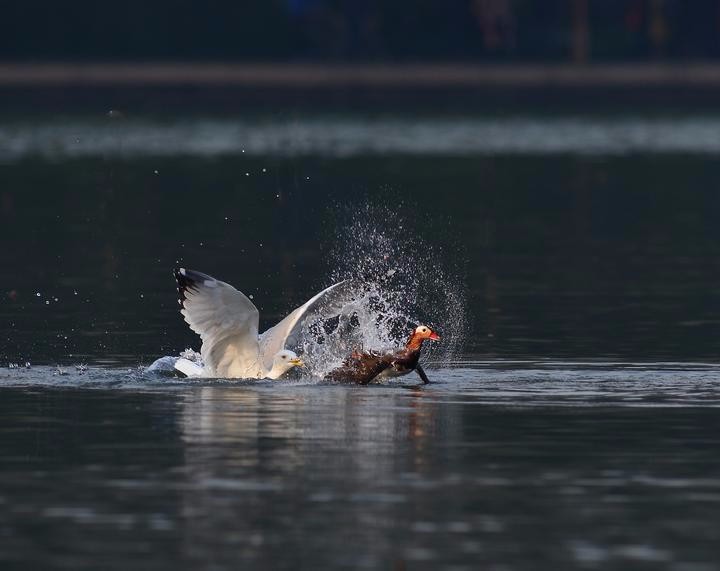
227, 322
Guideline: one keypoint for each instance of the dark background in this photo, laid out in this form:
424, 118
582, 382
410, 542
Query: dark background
609, 256
362, 30
562, 257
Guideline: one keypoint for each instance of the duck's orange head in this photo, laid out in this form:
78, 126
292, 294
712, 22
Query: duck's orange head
422, 332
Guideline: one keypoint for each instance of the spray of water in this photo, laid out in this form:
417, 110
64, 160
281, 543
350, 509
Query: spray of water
397, 280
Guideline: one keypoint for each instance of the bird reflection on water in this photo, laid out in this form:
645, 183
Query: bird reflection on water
306, 454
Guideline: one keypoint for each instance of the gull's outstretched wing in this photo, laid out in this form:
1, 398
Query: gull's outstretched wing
226, 321
286, 333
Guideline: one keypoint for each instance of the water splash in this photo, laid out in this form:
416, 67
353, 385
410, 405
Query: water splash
399, 280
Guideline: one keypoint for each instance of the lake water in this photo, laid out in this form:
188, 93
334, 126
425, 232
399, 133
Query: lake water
513, 465
574, 423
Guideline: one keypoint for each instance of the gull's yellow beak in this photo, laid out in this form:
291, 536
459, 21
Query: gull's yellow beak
297, 362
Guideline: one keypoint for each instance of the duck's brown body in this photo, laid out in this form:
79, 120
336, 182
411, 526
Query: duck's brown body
363, 367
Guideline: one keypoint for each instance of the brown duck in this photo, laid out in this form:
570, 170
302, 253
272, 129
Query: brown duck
363, 367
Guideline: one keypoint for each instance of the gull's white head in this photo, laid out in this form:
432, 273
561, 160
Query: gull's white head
284, 361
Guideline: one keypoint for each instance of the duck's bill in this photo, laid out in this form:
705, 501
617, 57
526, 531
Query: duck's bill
434, 336
297, 362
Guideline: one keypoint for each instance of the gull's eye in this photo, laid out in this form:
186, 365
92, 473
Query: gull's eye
284, 356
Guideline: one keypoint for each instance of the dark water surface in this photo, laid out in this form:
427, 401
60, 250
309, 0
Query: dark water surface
499, 465
566, 250
577, 427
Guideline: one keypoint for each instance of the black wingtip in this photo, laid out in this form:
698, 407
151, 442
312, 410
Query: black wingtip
189, 279
184, 282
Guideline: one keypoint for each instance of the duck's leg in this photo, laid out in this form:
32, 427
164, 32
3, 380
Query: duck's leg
422, 374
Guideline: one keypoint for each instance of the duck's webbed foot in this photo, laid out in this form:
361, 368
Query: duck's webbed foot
422, 374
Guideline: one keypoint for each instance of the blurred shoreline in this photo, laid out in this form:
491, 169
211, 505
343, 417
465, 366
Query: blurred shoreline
439, 88
309, 75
